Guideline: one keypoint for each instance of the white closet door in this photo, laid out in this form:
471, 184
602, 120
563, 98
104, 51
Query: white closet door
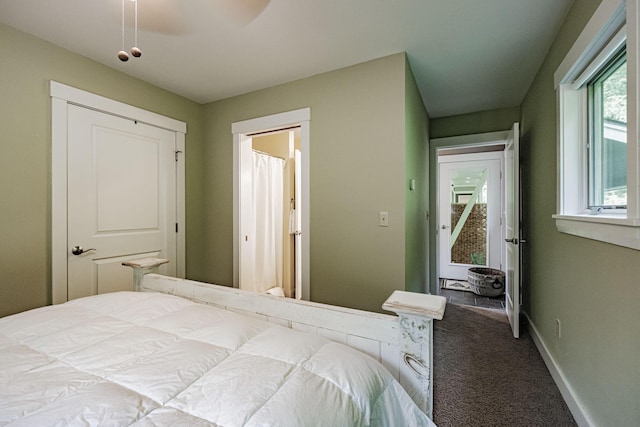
121, 199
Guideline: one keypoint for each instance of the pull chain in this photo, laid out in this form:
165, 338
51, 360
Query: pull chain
135, 51
122, 55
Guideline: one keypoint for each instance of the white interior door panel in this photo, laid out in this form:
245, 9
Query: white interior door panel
121, 199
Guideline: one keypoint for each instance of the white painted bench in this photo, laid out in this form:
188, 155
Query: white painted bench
403, 343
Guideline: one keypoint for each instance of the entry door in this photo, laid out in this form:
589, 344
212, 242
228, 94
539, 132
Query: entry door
512, 228
469, 213
121, 200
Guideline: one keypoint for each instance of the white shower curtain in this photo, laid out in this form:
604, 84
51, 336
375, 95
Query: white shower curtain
268, 184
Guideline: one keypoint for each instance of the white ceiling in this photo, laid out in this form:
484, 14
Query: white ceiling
467, 55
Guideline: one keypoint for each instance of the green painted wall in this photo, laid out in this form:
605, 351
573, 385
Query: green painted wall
417, 168
478, 122
592, 287
357, 170
25, 165
363, 149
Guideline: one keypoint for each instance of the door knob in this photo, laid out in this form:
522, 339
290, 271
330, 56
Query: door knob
512, 240
77, 250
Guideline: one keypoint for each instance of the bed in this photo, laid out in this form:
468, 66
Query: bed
179, 352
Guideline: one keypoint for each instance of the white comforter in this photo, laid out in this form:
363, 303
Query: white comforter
147, 359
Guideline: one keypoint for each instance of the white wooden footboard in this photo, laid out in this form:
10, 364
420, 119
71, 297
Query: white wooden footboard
403, 343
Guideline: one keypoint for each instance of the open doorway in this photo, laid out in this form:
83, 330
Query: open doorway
507, 145
271, 204
275, 225
470, 223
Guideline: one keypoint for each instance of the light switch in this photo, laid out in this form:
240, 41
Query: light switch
384, 219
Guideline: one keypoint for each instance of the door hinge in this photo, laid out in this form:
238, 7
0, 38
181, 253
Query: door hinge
176, 153
176, 227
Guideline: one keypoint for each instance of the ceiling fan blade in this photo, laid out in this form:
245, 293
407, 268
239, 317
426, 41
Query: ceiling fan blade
161, 16
156, 16
241, 12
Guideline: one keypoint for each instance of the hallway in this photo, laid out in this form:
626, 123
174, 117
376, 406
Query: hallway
485, 377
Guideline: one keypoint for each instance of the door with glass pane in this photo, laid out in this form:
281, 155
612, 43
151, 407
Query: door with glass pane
470, 202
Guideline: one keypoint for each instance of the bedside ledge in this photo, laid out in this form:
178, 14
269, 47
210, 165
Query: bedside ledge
616, 231
416, 304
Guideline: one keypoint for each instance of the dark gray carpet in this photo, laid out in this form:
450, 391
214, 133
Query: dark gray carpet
485, 377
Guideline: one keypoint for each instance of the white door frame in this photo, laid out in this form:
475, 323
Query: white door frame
61, 96
454, 143
241, 146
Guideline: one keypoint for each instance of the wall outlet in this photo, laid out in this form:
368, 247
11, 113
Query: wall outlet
558, 328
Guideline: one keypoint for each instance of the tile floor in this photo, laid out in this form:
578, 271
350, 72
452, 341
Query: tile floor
469, 298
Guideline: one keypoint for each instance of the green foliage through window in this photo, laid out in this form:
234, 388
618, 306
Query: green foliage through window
608, 135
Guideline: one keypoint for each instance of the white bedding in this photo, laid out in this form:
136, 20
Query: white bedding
147, 359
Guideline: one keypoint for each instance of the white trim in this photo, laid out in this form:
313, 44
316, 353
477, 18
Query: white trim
605, 22
240, 131
58, 200
457, 142
602, 229
572, 400
90, 100
633, 101
471, 157
475, 140
181, 217
572, 157
61, 96
614, 45
272, 122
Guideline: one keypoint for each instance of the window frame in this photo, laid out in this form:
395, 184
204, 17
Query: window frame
596, 124
613, 24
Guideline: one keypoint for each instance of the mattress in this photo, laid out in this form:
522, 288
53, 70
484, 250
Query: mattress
146, 359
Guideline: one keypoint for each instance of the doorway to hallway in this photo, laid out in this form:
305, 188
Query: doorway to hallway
507, 146
470, 227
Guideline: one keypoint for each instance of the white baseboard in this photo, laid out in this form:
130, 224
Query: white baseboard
571, 399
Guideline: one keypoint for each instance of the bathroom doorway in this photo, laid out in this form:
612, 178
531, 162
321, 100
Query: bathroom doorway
275, 214
280, 143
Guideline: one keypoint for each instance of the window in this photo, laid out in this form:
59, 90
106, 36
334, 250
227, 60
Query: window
607, 118
598, 190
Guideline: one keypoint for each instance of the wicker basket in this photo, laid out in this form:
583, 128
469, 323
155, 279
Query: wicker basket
487, 282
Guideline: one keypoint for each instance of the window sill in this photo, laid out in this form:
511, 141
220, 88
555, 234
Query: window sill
610, 228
